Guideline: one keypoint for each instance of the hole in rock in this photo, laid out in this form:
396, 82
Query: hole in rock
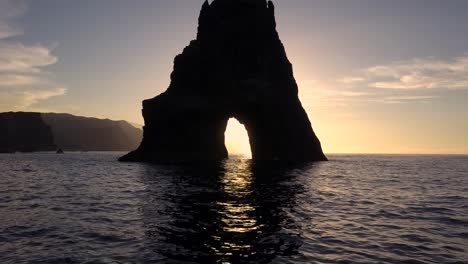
237, 139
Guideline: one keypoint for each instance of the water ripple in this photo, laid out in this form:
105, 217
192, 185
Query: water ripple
87, 208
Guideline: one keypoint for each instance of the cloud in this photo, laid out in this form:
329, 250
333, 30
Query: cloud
21, 100
318, 94
324, 95
6, 31
32, 97
10, 80
16, 57
417, 73
409, 98
316, 88
9, 10
23, 81
403, 99
351, 80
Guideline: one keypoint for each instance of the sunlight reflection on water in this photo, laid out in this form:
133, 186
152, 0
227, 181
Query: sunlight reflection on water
237, 213
353, 209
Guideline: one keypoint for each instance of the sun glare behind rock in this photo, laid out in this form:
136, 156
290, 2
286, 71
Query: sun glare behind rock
237, 139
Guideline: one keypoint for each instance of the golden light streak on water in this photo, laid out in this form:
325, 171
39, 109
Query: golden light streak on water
237, 214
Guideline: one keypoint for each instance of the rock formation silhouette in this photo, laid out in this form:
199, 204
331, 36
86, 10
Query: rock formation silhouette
236, 67
30, 132
24, 132
77, 133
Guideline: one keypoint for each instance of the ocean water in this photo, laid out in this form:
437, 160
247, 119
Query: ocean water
88, 208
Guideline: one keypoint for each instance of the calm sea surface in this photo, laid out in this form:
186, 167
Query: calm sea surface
86, 207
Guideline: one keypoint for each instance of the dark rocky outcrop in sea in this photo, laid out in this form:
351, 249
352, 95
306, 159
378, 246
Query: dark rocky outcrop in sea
29, 132
24, 132
236, 67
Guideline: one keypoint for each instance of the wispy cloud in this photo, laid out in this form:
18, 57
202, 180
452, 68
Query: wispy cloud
404, 99
318, 94
340, 94
16, 57
14, 80
23, 80
351, 80
20, 100
316, 88
411, 98
32, 97
428, 73
9, 10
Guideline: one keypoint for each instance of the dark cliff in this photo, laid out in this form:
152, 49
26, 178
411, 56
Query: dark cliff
236, 67
28, 132
24, 132
75, 133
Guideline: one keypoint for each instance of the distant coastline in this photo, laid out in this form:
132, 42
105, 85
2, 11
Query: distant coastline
38, 132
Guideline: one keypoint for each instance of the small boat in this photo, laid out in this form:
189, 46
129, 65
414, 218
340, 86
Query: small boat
60, 151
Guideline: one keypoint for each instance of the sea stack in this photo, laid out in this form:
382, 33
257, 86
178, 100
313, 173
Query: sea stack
236, 67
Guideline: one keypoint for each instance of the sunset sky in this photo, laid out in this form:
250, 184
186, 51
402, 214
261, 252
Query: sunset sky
375, 76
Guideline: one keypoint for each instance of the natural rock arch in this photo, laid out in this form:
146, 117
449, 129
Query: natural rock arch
236, 139
236, 67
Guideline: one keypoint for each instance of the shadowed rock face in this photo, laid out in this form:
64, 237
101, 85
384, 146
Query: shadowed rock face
24, 132
30, 132
77, 133
237, 67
